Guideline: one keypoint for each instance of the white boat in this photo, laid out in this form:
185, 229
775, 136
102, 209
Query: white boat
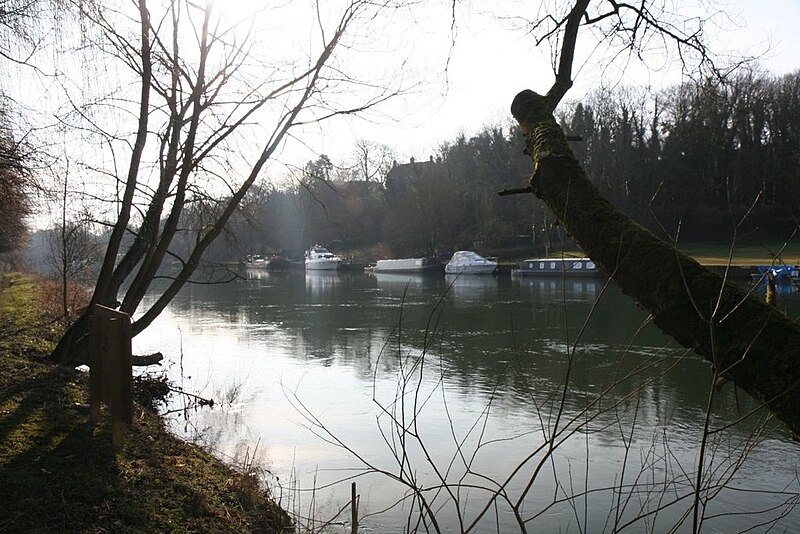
557, 267
256, 261
468, 262
407, 265
318, 258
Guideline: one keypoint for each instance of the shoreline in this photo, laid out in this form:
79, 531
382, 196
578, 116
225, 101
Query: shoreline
61, 472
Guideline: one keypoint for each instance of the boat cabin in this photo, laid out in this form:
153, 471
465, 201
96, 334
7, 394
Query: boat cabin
557, 267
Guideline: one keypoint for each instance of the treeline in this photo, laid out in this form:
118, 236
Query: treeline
698, 156
697, 159
15, 185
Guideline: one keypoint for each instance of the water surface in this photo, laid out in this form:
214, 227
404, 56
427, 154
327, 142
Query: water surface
332, 377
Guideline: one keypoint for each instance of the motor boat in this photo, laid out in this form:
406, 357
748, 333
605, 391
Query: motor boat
318, 258
468, 262
255, 261
273, 263
278, 263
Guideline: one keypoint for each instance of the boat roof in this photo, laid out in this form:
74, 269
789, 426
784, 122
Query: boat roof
559, 259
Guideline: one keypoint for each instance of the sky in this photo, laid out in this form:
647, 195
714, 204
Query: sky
458, 78
489, 63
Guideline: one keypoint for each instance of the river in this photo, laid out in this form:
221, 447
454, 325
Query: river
401, 383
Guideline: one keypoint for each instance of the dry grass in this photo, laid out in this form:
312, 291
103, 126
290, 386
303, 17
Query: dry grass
59, 470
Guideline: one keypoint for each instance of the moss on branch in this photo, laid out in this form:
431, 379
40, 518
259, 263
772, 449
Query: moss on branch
747, 341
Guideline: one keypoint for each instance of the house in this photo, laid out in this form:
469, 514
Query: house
403, 175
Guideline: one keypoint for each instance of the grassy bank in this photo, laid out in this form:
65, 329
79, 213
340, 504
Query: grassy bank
745, 254
59, 472
719, 254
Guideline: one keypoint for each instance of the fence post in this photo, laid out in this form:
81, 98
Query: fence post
353, 509
111, 371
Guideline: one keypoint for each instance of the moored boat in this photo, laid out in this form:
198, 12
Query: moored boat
318, 258
275, 262
468, 262
407, 265
278, 263
255, 261
557, 267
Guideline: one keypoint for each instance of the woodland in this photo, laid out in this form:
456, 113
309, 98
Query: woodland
689, 162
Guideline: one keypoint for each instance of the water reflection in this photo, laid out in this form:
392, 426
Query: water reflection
570, 288
320, 282
399, 281
472, 290
253, 274
339, 341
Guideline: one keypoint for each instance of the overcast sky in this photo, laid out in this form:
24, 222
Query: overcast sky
463, 77
489, 63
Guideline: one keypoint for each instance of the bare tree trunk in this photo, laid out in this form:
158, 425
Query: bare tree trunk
746, 340
64, 266
155, 254
101, 293
73, 344
180, 156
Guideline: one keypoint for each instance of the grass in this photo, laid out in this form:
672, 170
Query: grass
59, 471
716, 254
712, 254
745, 254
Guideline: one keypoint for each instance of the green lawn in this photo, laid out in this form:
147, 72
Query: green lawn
744, 254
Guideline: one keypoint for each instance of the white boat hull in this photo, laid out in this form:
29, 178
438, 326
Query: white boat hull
322, 265
470, 269
406, 265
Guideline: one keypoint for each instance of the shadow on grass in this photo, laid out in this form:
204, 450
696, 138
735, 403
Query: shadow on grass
59, 471
54, 467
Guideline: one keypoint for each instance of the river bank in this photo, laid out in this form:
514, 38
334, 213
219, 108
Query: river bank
60, 471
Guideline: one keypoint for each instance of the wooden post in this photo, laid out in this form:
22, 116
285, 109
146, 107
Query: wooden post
111, 374
353, 509
770, 296
95, 367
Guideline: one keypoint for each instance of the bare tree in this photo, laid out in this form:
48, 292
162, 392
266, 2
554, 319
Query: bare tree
14, 188
372, 161
197, 97
21, 28
74, 249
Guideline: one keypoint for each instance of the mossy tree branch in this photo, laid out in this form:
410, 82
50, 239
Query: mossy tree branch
746, 340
